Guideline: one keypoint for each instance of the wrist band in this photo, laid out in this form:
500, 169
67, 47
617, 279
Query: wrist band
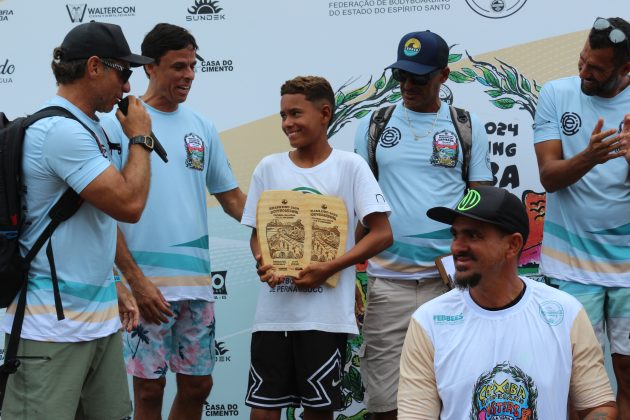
117, 278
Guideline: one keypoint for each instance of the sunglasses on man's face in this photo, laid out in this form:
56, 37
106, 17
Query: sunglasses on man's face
616, 35
417, 79
125, 73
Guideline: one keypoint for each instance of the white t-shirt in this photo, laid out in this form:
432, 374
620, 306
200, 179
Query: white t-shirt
461, 361
344, 175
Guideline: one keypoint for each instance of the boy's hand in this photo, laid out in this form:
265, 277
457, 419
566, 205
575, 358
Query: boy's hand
313, 275
265, 272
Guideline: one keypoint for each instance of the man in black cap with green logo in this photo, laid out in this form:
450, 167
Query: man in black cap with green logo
499, 345
72, 367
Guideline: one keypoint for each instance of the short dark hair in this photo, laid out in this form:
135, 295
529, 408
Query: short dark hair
599, 39
67, 72
165, 37
314, 88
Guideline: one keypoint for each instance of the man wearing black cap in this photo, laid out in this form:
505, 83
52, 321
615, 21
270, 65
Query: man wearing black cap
581, 136
420, 164
500, 345
73, 367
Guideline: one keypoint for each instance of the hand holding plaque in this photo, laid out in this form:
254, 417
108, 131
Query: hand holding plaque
295, 229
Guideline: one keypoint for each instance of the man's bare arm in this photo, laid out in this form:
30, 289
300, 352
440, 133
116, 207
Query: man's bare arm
123, 195
233, 202
556, 172
153, 306
606, 411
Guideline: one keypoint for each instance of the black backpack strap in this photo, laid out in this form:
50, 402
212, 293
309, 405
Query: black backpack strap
66, 206
463, 126
11, 361
378, 122
58, 111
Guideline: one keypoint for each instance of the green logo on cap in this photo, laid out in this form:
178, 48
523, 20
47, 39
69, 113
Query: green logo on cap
470, 200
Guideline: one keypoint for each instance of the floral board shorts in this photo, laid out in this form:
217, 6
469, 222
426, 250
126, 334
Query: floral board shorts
185, 343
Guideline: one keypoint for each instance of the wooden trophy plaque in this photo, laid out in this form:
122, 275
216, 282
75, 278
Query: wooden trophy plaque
295, 229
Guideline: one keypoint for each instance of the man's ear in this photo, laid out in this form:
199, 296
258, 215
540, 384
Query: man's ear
149, 69
326, 111
93, 67
444, 74
515, 245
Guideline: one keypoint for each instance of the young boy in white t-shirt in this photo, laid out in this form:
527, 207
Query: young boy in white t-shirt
301, 327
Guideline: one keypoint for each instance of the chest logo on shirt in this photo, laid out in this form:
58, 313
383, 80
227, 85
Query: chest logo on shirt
571, 123
445, 149
195, 151
505, 393
551, 312
390, 137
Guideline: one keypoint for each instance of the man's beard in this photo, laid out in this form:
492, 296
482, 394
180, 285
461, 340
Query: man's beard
603, 88
464, 282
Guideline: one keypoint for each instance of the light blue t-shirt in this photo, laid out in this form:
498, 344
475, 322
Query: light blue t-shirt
170, 242
587, 224
416, 175
59, 152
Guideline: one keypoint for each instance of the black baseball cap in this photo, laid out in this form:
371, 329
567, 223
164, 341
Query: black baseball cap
488, 204
421, 53
105, 40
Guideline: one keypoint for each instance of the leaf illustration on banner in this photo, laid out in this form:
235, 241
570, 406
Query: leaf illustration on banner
380, 83
495, 93
356, 103
459, 77
452, 58
509, 87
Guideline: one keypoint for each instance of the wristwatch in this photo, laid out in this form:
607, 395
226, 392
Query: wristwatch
146, 141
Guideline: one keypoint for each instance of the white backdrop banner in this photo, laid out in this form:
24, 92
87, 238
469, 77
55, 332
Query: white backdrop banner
502, 51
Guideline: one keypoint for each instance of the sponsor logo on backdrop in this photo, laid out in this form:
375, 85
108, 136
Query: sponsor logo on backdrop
218, 284
220, 352
5, 14
216, 65
385, 7
78, 12
496, 9
220, 410
205, 10
6, 71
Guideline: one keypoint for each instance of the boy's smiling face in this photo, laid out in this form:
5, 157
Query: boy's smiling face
304, 122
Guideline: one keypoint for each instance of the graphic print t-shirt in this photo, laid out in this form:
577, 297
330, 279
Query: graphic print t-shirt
461, 361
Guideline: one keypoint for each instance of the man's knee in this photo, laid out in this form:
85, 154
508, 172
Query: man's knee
148, 390
194, 387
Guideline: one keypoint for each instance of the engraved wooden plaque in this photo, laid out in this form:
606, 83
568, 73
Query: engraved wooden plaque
295, 229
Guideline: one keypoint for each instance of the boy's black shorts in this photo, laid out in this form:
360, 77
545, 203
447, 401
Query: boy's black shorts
296, 368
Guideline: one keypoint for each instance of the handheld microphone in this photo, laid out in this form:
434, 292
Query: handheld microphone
123, 105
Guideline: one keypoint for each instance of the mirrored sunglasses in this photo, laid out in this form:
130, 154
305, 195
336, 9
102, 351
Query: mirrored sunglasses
616, 35
124, 72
